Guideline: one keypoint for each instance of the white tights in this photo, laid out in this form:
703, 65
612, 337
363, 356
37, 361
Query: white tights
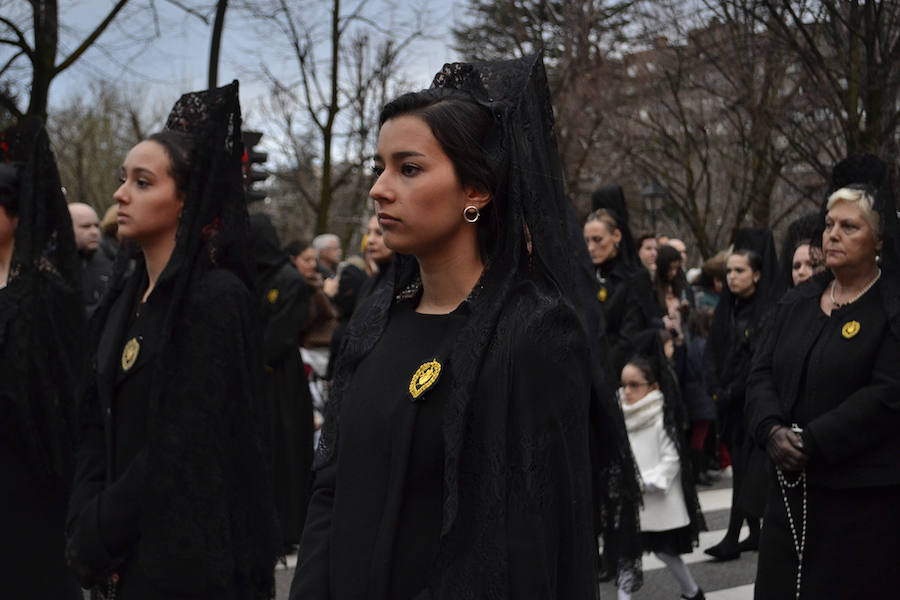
678, 569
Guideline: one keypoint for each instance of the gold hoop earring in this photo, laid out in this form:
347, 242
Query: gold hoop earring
468, 214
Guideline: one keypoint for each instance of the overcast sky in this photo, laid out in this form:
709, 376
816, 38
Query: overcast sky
175, 59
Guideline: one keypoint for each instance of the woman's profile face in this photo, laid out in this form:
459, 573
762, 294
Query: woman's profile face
740, 276
419, 201
601, 242
375, 247
848, 239
149, 205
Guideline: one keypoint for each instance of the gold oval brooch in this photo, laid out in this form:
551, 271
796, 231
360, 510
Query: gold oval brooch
130, 353
850, 329
602, 294
424, 377
272, 296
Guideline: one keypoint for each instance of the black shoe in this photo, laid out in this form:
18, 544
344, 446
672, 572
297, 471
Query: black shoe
698, 596
751, 544
704, 479
724, 551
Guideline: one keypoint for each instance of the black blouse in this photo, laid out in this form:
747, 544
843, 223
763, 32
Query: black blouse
389, 484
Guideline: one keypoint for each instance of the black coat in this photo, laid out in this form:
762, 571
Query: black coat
533, 392
841, 387
165, 511
629, 307
285, 310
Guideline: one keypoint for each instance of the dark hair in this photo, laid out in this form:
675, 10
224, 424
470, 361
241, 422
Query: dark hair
645, 366
295, 248
753, 259
664, 259
700, 322
9, 187
643, 238
179, 148
461, 126
713, 268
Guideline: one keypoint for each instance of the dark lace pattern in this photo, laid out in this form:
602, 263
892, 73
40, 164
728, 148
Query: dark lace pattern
41, 319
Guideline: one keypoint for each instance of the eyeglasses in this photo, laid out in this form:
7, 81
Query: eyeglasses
635, 385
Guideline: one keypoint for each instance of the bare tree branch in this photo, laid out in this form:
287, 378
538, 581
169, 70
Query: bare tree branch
76, 54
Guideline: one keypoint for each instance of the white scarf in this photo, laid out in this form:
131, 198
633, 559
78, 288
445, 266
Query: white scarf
644, 412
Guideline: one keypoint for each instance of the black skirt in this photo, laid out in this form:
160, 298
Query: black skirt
671, 541
851, 544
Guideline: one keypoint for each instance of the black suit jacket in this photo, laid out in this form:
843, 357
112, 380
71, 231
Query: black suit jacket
837, 377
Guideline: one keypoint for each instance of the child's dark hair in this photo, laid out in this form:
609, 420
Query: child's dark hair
645, 366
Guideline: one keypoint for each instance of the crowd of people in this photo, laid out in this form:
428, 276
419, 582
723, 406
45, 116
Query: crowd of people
478, 405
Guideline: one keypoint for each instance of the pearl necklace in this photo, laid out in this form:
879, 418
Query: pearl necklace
857, 296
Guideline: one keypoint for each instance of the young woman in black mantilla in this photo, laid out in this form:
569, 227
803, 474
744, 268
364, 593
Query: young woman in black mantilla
454, 461
172, 497
41, 366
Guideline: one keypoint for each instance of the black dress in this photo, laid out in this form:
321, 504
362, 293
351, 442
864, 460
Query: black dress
387, 492
836, 377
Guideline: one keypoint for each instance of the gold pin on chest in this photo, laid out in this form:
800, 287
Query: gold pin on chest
424, 378
130, 353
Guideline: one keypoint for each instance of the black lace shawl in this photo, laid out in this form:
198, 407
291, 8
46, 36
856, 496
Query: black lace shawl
208, 497
521, 151
41, 314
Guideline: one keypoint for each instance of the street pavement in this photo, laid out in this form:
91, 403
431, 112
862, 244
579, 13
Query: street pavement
732, 580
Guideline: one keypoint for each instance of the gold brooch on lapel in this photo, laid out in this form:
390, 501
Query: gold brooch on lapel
272, 296
602, 294
130, 353
850, 329
424, 377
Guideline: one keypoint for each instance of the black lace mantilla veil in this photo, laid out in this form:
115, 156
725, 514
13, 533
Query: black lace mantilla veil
41, 313
208, 481
521, 151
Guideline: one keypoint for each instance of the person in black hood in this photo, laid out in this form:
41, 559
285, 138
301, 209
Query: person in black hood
739, 320
800, 258
41, 366
823, 400
173, 492
626, 292
284, 304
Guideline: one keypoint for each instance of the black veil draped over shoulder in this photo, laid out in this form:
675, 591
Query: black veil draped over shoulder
208, 495
41, 316
532, 258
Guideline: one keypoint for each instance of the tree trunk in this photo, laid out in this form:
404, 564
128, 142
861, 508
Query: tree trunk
46, 37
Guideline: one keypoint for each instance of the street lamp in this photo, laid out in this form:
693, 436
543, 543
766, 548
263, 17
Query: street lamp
654, 196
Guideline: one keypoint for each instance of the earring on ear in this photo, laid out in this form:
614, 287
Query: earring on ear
471, 213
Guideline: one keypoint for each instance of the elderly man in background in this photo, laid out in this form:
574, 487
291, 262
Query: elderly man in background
95, 266
328, 254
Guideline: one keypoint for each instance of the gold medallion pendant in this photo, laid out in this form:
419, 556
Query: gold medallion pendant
130, 353
850, 329
424, 377
272, 296
602, 294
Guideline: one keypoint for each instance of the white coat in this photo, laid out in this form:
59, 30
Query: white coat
657, 460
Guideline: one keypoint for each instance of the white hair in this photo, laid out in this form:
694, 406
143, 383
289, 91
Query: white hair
864, 201
320, 242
